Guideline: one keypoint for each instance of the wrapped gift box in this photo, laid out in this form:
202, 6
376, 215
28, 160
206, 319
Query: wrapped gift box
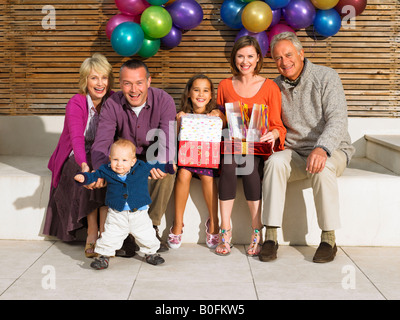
200, 127
245, 130
246, 147
199, 141
199, 154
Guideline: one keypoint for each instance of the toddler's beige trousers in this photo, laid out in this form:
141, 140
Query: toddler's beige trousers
117, 227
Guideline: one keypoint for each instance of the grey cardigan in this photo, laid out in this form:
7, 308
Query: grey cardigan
315, 112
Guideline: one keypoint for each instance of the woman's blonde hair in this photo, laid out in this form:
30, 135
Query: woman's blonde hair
100, 64
242, 42
186, 103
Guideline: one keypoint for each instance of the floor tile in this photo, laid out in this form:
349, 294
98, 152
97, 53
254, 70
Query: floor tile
68, 289
316, 291
193, 290
19, 255
194, 262
55, 270
67, 261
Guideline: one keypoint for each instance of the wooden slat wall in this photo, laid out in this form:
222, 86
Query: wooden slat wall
39, 68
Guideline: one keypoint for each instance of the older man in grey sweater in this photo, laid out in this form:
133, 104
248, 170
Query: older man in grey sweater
317, 145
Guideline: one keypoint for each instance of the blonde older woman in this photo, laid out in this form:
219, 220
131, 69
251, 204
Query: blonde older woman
72, 207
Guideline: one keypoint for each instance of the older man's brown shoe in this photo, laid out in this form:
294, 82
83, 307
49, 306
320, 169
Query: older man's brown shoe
268, 251
325, 253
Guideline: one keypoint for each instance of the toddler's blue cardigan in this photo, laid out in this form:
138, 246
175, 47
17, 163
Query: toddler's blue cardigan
133, 190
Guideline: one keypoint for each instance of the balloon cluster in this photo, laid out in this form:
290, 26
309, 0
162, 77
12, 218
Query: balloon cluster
142, 26
263, 19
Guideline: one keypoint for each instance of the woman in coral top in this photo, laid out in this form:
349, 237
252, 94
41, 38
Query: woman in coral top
247, 86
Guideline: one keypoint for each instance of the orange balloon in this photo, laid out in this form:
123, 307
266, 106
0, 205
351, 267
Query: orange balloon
324, 4
256, 16
169, 2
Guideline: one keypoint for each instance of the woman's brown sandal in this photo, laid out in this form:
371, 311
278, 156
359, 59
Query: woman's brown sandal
89, 250
224, 242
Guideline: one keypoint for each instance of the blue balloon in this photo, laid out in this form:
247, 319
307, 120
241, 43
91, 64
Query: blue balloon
231, 13
277, 4
327, 22
127, 38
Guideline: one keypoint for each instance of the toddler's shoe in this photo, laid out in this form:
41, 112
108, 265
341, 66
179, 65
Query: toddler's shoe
100, 263
174, 240
154, 259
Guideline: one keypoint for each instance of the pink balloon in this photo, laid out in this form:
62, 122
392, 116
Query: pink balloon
118, 19
277, 29
132, 7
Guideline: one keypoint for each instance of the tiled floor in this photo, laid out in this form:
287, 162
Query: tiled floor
56, 270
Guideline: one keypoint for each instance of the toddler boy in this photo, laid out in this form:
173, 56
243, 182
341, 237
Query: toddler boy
128, 200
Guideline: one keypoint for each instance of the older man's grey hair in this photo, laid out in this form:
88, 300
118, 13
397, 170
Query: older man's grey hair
286, 36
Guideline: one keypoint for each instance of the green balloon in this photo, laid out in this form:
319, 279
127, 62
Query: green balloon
156, 22
149, 47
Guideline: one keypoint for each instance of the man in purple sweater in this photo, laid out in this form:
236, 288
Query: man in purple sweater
145, 116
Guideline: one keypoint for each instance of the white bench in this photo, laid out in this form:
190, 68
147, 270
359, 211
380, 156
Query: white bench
369, 192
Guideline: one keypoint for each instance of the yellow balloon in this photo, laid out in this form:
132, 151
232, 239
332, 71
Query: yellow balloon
256, 16
324, 4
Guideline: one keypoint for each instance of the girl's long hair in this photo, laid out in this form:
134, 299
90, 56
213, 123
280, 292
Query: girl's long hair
186, 103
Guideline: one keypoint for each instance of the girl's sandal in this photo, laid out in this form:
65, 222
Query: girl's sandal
224, 243
254, 248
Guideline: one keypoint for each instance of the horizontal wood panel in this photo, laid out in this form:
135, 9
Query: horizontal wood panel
40, 68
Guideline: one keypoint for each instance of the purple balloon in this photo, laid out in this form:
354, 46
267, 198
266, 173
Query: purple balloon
117, 20
185, 14
276, 17
132, 7
261, 37
299, 14
173, 38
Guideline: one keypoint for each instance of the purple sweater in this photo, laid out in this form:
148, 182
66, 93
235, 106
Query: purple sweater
118, 120
72, 137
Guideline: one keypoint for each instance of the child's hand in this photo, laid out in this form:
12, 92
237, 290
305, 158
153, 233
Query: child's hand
175, 167
218, 113
214, 113
179, 115
80, 178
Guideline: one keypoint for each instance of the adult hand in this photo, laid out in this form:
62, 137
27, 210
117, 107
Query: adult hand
157, 174
270, 137
100, 183
85, 167
316, 160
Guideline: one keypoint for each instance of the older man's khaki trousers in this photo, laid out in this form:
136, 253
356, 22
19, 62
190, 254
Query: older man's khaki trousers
286, 166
